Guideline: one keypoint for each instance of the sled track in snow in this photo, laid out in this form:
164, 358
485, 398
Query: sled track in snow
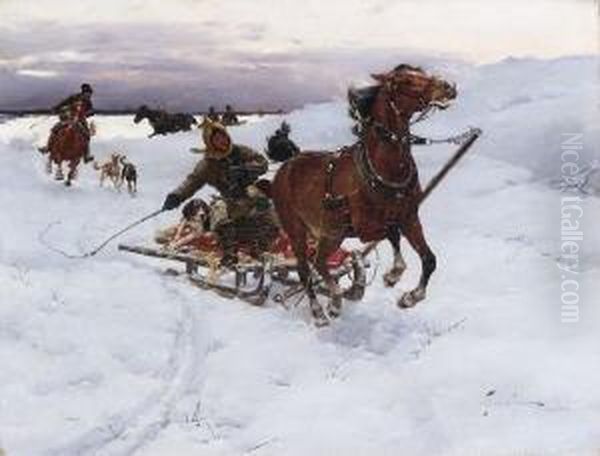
126, 432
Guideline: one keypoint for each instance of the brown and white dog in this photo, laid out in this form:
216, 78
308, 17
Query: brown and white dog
110, 169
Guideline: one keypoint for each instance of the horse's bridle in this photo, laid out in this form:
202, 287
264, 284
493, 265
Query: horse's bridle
373, 180
425, 107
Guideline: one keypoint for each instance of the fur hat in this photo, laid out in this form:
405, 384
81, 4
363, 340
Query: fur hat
216, 149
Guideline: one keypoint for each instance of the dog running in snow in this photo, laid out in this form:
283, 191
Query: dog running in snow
111, 169
129, 175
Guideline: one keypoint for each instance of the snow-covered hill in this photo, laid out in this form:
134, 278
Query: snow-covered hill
108, 356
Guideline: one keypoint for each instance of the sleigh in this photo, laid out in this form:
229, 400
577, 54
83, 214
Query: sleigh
255, 279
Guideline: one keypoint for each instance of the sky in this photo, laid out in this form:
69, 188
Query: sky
189, 54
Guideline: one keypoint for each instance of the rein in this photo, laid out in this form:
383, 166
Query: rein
376, 182
394, 137
391, 189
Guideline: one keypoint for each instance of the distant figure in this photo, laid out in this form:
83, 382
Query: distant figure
213, 115
229, 117
280, 147
65, 110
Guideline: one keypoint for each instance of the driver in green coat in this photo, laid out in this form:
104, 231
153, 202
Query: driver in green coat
231, 169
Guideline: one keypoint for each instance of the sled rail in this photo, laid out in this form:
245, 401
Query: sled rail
281, 265
191, 261
271, 269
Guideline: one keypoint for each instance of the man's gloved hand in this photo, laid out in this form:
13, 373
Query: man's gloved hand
171, 202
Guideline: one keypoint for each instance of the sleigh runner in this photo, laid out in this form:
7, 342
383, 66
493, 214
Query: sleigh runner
251, 279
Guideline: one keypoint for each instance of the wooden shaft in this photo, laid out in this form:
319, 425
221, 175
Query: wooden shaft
435, 181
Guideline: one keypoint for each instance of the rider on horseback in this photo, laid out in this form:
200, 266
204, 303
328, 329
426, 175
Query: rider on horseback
64, 109
213, 114
232, 169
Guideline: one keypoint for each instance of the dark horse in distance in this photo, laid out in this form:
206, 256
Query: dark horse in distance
163, 122
369, 190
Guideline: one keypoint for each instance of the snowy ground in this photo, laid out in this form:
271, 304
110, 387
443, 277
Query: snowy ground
108, 356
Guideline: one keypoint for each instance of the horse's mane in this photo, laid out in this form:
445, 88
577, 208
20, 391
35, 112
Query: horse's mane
360, 104
361, 100
406, 66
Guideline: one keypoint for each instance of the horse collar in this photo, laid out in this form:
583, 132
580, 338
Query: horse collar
377, 183
391, 136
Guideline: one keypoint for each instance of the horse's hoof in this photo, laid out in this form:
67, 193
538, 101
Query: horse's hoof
410, 299
59, 177
335, 306
355, 293
391, 278
68, 183
319, 317
321, 321
406, 301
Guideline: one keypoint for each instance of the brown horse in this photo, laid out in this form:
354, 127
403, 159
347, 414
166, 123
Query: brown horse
369, 190
68, 143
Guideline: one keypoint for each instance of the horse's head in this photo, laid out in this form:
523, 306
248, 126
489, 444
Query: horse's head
140, 114
408, 89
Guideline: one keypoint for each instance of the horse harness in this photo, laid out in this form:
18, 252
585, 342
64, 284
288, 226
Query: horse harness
380, 189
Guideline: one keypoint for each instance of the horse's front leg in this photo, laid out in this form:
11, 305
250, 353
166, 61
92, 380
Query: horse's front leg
392, 277
49, 165
299, 246
325, 247
72, 175
414, 234
59, 172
